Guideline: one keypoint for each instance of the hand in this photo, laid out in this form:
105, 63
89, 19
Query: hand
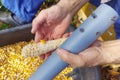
90, 57
45, 56
51, 23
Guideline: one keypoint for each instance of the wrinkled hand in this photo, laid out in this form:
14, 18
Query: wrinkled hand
90, 57
45, 56
51, 23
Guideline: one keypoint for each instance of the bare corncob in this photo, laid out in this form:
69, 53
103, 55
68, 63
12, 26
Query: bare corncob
36, 49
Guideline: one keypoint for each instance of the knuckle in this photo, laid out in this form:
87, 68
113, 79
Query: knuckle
67, 58
82, 61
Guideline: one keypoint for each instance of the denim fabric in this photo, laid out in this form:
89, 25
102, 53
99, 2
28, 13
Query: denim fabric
24, 9
95, 2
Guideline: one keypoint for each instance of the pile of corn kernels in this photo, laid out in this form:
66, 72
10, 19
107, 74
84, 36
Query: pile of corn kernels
14, 67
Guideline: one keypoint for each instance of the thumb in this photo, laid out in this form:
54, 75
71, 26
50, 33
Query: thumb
70, 58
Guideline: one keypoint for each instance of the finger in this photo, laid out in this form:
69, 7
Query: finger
66, 35
57, 36
38, 21
70, 58
46, 39
51, 38
47, 55
38, 36
42, 57
70, 33
48, 36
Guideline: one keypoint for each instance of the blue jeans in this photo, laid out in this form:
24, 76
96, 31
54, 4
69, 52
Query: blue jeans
116, 5
24, 9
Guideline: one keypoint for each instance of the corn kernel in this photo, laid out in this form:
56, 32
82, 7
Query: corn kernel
42, 41
15, 67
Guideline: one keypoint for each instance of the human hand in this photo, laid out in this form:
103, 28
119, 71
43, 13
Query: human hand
45, 56
51, 23
105, 52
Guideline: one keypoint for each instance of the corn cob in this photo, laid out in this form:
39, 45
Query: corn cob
35, 49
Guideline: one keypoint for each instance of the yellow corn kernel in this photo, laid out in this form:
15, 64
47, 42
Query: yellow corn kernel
42, 41
15, 67
35, 49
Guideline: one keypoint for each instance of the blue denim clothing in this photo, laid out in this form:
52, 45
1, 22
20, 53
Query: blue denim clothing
24, 9
95, 2
116, 5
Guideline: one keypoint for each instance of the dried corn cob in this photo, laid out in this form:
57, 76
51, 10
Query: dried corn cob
36, 49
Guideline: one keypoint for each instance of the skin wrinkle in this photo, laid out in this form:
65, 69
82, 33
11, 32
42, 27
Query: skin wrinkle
94, 49
111, 50
98, 56
57, 18
82, 60
107, 57
79, 60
